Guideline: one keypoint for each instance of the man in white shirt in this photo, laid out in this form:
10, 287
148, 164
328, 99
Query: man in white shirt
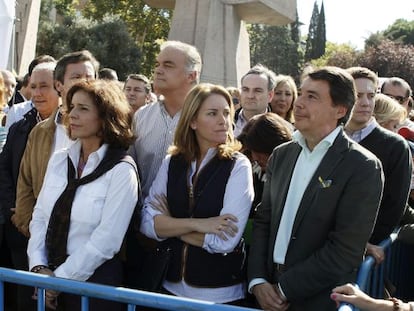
319, 202
256, 94
177, 70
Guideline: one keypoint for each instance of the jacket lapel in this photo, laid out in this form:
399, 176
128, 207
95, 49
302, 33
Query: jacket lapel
286, 165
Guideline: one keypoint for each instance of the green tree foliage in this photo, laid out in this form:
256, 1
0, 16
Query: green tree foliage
313, 28
316, 39
401, 31
340, 55
148, 26
273, 46
374, 39
389, 59
320, 37
99, 38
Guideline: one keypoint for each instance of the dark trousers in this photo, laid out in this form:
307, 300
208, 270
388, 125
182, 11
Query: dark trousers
14, 252
109, 273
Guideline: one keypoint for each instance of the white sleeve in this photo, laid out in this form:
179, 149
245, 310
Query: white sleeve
158, 188
237, 201
106, 239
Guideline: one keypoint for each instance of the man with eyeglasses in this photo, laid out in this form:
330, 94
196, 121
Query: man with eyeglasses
400, 90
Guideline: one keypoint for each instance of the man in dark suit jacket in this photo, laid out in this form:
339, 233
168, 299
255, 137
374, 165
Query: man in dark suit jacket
319, 203
390, 148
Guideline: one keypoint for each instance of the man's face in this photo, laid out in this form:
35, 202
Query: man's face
74, 73
9, 83
398, 92
255, 95
364, 106
44, 96
314, 111
135, 93
170, 72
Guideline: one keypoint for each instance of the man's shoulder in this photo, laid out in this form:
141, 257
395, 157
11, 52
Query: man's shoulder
358, 152
149, 109
29, 121
383, 138
23, 106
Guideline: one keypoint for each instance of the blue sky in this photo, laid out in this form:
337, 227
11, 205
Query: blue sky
352, 21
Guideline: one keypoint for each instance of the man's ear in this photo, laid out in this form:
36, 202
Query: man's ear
59, 87
192, 76
270, 95
341, 112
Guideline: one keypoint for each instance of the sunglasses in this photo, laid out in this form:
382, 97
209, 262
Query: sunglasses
400, 99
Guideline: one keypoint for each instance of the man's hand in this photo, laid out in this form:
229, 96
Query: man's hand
269, 297
50, 295
377, 252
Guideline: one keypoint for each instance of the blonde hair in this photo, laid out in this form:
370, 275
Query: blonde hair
233, 91
388, 109
288, 80
3, 102
185, 141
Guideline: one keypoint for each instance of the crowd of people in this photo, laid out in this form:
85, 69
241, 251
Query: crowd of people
268, 195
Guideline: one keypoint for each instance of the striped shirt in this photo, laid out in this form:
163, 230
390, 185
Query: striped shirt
154, 128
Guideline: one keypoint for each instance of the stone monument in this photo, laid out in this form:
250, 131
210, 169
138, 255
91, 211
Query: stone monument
217, 29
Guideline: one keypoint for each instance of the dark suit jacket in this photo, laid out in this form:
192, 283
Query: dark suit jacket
332, 224
395, 156
10, 159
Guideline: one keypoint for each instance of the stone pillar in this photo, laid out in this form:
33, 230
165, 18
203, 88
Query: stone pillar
27, 15
217, 29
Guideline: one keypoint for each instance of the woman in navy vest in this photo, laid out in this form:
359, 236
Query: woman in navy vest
201, 199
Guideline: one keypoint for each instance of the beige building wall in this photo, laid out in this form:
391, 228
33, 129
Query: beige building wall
24, 47
217, 29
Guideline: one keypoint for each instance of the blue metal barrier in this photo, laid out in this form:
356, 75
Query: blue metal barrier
124, 295
370, 278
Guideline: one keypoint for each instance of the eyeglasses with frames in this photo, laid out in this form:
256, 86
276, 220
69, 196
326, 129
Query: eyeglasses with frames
399, 99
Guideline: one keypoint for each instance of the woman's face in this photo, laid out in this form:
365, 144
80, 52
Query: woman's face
212, 122
282, 100
84, 121
392, 125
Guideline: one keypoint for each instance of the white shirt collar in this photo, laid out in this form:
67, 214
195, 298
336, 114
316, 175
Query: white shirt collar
325, 143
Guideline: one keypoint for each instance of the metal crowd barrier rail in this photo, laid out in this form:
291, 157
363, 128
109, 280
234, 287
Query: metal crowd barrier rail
86, 290
370, 278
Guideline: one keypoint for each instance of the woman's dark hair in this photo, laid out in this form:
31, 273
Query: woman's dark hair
113, 110
264, 132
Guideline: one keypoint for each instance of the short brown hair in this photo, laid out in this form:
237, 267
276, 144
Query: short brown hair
185, 141
264, 132
113, 110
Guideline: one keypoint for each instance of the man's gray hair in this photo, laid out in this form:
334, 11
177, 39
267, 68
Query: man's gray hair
48, 66
193, 58
259, 69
